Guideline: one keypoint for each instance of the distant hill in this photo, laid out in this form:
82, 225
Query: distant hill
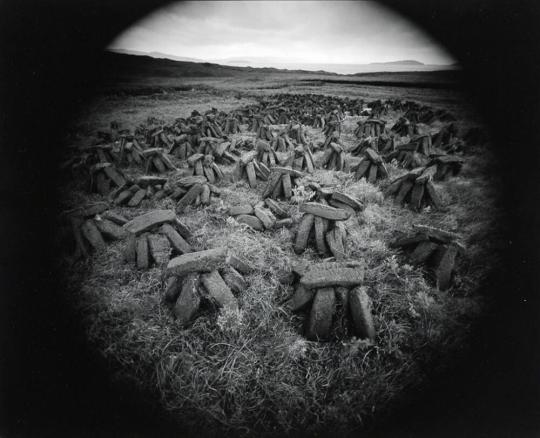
404, 62
144, 65
158, 55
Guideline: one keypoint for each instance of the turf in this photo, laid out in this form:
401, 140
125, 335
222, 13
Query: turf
251, 372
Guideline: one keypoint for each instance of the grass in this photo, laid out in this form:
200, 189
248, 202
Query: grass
251, 372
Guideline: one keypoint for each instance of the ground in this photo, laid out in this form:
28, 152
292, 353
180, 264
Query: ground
252, 372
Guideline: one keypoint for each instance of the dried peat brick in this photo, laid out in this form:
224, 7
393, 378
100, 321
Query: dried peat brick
160, 248
234, 279
172, 290
149, 220
302, 234
92, 235
239, 264
143, 259
200, 261
177, 241
218, 290
446, 258
325, 211
188, 302
110, 229
240, 209
317, 277
319, 324
251, 221
300, 299
360, 310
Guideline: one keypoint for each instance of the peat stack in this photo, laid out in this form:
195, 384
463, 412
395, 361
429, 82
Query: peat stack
280, 183
156, 160
371, 167
209, 276
336, 303
434, 248
92, 227
261, 216
302, 159
370, 128
447, 165
281, 142
298, 133
416, 189
182, 147
209, 127
251, 169
130, 151
265, 133
204, 165
322, 227
231, 125
365, 143
333, 157
134, 192
105, 176
153, 237
265, 154
413, 154
193, 190
404, 127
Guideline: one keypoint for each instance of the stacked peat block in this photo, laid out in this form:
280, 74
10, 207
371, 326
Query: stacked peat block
412, 154
322, 227
250, 168
93, 226
403, 127
434, 248
209, 127
281, 142
104, 176
333, 124
365, 143
330, 196
265, 154
302, 159
223, 151
326, 290
103, 153
153, 236
193, 190
416, 189
231, 125
447, 165
318, 121
298, 133
264, 133
156, 160
386, 144
333, 157
130, 151
182, 147
133, 193
204, 165
203, 276
370, 128
281, 181
261, 216
371, 167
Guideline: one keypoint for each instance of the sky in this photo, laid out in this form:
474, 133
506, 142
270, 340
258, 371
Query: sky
330, 32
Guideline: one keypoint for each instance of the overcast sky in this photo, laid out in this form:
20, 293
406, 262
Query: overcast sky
340, 32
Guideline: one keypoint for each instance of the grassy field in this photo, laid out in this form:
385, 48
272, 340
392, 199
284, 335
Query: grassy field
251, 372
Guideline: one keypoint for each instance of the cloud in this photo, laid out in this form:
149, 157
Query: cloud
300, 31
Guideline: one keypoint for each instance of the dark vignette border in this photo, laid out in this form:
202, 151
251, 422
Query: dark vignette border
51, 384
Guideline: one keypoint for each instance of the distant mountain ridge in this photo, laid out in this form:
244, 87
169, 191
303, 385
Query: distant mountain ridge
403, 62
